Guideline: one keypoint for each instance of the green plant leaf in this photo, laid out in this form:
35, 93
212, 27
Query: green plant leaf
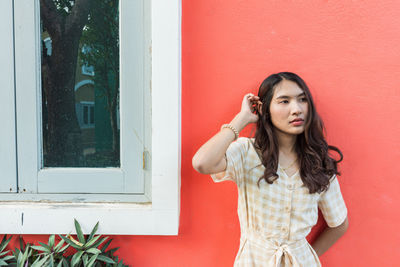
21, 244
66, 239
79, 232
51, 261
16, 253
63, 249
22, 257
91, 242
76, 258
41, 248
98, 243
59, 245
3, 263
65, 262
4, 253
45, 246
60, 264
105, 259
113, 250
106, 245
37, 259
85, 259
4, 242
94, 230
40, 262
93, 251
9, 257
92, 260
51, 241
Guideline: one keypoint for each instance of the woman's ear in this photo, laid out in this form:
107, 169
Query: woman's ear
259, 108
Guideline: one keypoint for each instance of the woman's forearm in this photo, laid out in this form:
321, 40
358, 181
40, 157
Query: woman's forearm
212, 152
328, 237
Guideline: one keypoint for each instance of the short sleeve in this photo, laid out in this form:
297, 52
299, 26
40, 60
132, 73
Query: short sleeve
235, 157
332, 205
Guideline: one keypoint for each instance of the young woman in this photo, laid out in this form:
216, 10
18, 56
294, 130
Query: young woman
284, 174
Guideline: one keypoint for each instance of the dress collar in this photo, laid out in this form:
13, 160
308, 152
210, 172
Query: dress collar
252, 150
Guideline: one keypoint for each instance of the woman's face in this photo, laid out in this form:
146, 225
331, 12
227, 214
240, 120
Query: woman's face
288, 103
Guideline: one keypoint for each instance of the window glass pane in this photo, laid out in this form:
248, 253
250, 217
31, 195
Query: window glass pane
80, 83
91, 115
85, 114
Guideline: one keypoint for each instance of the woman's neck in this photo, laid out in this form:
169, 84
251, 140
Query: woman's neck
286, 143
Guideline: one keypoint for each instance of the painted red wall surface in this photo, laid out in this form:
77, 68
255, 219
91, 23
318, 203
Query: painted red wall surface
348, 53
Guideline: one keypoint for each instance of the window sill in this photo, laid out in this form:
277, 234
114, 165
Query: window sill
114, 218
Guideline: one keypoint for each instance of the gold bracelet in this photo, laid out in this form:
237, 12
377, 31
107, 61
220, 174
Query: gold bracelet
232, 128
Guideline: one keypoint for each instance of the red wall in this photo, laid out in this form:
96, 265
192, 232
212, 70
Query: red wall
349, 54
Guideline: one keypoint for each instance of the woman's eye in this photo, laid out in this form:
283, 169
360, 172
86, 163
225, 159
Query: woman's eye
283, 101
304, 99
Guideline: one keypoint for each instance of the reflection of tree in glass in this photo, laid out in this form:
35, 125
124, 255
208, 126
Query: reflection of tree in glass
100, 40
63, 20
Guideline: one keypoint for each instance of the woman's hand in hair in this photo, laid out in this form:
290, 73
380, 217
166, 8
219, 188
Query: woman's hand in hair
251, 107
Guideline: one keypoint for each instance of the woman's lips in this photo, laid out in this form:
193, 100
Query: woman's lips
297, 123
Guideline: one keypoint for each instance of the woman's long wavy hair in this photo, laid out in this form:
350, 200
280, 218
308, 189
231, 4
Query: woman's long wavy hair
316, 165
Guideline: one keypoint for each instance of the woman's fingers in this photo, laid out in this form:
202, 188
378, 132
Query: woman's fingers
251, 104
253, 100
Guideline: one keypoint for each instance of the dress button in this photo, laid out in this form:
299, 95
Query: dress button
287, 208
289, 186
284, 229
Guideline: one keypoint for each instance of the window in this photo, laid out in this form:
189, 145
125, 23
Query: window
137, 193
85, 114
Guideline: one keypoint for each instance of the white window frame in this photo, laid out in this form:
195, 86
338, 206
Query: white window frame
7, 102
154, 214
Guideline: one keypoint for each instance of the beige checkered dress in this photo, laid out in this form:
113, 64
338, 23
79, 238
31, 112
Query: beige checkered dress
276, 218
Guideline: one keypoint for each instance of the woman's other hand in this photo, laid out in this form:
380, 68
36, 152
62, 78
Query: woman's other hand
251, 107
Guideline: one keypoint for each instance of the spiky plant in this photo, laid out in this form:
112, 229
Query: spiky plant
4, 258
88, 252
50, 253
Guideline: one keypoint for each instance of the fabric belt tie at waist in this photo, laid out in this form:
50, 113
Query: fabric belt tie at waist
277, 250
285, 251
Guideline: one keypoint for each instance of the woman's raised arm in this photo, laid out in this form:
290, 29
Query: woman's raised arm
210, 156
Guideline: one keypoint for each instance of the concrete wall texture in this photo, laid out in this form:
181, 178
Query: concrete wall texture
348, 53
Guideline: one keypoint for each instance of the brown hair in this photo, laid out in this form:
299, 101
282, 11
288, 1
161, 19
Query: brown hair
316, 165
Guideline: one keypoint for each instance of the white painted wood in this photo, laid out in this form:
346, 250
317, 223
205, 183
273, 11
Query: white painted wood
75, 198
27, 73
162, 216
166, 103
132, 50
148, 100
8, 166
115, 219
82, 180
